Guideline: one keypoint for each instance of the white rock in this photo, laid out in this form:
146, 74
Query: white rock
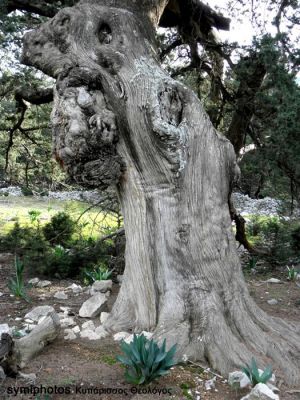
43, 284
101, 332
261, 392
65, 310
273, 280
29, 327
2, 374
28, 321
68, 321
129, 339
75, 288
93, 306
29, 378
33, 281
103, 317
101, 286
42, 319
210, 384
18, 319
120, 278
238, 379
148, 335
1, 294
36, 313
76, 329
121, 336
69, 334
272, 302
272, 387
4, 328
61, 295
88, 325
89, 334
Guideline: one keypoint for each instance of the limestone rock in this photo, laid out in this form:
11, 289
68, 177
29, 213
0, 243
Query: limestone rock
121, 336
68, 321
75, 288
88, 325
101, 332
70, 334
238, 379
103, 317
61, 295
93, 306
33, 281
272, 302
89, 334
76, 329
101, 286
273, 280
36, 313
2, 374
261, 392
42, 284
4, 328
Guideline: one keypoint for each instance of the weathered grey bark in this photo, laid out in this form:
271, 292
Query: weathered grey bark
119, 119
15, 354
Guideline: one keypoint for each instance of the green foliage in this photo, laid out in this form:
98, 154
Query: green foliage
60, 229
16, 285
296, 239
145, 361
276, 235
254, 375
100, 273
292, 273
59, 263
252, 262
34, 215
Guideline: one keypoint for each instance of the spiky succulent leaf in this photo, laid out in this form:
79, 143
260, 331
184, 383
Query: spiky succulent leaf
266, 375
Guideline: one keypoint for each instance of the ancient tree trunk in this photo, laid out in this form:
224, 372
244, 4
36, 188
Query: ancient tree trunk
119, 119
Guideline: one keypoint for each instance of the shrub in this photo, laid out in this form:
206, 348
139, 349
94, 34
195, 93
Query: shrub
58, 263
34, 216
254, 375
60, 229
145, 361
275, 234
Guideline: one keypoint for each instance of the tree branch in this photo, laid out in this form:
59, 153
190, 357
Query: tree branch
35, 96
43, 8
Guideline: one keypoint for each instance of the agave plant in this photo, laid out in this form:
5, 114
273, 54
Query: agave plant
292, 273
98, 274
254, 375
145, 360
16, 285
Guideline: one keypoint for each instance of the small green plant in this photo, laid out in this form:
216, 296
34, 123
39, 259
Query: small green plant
292, 273
101, 273
145, 361
34, 216
254, 375
16, 285
252, 262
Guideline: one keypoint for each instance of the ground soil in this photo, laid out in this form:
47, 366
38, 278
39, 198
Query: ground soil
82, 366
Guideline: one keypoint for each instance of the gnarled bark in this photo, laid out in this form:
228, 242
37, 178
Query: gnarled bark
115, 106
15, 354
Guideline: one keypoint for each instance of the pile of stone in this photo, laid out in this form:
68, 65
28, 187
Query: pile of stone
261, 391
